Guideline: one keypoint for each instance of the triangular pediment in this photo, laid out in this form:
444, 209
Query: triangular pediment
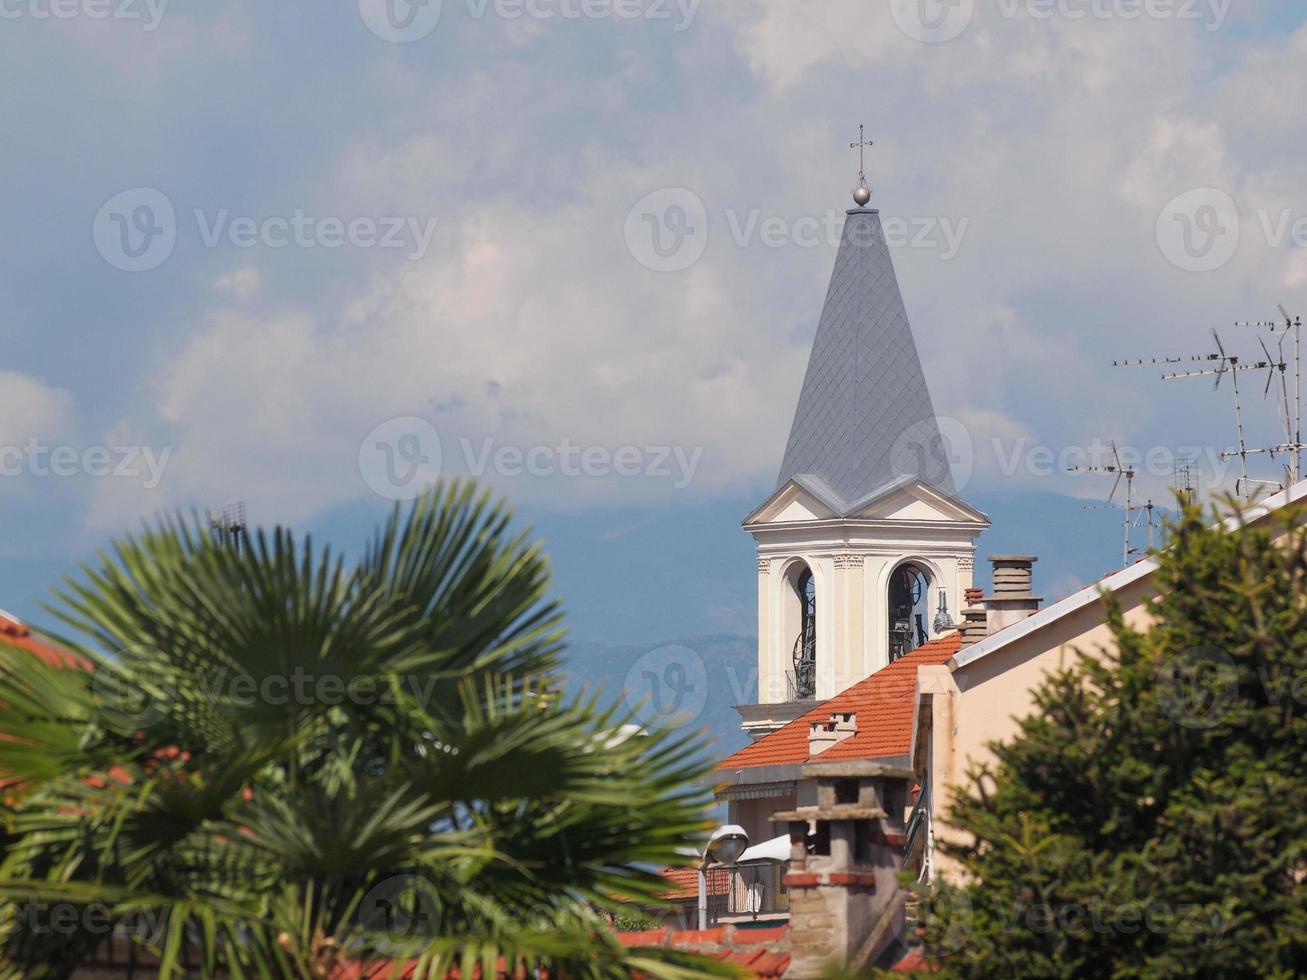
913, 500
798, 501
806, 498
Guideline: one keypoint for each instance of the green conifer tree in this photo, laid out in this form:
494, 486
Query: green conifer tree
1151, 817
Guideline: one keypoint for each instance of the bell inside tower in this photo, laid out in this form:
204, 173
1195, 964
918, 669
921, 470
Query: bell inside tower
908, 590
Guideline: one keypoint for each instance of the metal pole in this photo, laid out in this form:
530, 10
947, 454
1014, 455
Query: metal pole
1297, 400
1129, 502
1238, 421
703, 896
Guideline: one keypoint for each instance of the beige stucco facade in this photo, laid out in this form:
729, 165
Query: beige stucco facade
851, 559
980, 697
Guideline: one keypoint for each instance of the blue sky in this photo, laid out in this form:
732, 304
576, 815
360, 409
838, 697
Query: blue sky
1043, 170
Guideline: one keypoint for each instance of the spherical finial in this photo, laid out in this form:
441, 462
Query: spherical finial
862, 193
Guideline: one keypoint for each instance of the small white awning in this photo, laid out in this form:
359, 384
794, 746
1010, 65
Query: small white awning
776, 849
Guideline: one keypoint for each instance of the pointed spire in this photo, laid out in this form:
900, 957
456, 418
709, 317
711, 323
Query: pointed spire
864, 418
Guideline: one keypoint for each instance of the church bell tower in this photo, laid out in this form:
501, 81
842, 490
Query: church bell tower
865, 548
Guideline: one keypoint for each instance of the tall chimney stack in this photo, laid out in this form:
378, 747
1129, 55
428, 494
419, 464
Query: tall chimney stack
975, 625
1013, 599
845, 908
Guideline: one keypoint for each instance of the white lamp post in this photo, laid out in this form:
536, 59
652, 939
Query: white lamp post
724, 847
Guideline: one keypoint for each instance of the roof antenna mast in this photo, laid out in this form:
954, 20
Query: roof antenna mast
228, 527
1129, 474
1225, 364
1293, 444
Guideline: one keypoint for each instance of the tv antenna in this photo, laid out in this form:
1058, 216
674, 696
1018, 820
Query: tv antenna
1147, 511
228, 527
1232, 365
1128, 474
1293, 445
1184, 483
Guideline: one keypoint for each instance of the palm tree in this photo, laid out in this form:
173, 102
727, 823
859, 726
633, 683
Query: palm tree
276, 765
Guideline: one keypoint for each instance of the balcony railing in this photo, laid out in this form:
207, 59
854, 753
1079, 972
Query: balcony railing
797, 691
747, 891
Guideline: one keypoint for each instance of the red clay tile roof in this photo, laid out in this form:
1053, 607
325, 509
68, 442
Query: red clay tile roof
761, 952
882, 703
15, 633
916, 962
684, 884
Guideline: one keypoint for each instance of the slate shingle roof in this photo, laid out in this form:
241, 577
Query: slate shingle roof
865, 417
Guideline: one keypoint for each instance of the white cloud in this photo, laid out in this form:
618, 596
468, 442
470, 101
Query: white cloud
242, 283
1058, 141
33, 410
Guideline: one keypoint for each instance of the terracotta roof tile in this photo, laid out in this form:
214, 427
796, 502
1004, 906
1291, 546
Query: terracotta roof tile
685, 883
882, 702
760, 952
15, 633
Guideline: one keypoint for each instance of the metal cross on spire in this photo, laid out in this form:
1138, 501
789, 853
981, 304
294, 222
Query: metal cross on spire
862, 193
861, 146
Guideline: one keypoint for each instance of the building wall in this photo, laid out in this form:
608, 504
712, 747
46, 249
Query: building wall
983, 702
852, 582
755, 815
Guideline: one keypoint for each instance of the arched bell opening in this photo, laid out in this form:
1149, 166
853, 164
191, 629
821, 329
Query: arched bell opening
909, 609
800, 630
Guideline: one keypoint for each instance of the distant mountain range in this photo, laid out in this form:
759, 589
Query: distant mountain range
698, 678
693, 682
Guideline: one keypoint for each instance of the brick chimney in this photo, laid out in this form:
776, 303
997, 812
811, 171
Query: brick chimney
823, 735
974, 626
1013, 599
845, 907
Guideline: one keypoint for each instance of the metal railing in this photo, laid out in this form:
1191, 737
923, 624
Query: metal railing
749, 890
796, 690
